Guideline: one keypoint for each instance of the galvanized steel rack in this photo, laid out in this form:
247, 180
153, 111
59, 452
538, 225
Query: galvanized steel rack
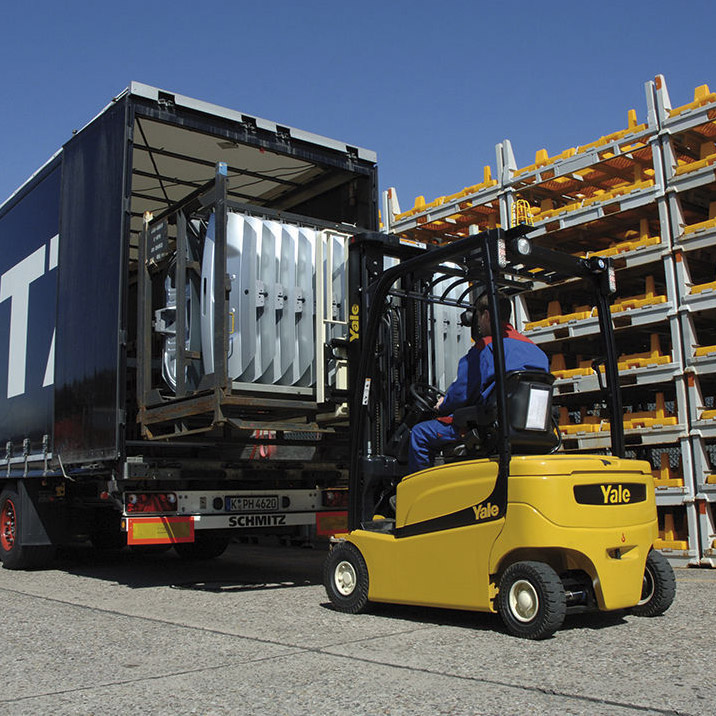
646, 196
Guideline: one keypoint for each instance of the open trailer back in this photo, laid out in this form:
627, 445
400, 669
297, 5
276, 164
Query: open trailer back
173, 324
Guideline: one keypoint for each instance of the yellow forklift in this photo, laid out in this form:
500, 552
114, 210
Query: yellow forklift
505, 523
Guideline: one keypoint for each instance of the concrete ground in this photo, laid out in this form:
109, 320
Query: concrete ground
252, 633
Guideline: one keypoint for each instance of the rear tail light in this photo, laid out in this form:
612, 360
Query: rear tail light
150, 502
335, 498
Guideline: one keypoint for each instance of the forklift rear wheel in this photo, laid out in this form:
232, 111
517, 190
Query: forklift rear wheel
345, 577
658, 588
13, 553
531, 600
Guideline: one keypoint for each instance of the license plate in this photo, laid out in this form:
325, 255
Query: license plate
256, 503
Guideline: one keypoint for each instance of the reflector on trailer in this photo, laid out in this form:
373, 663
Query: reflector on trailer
159, 530
331, 523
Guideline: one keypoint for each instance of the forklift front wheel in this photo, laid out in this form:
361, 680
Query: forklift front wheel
345, 577
531, 600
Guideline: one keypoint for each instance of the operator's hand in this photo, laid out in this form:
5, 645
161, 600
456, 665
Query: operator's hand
440, 402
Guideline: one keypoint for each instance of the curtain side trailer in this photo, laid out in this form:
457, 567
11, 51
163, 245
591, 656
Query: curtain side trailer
173, 331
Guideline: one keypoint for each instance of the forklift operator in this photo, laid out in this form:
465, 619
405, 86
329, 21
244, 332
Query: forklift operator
475, 380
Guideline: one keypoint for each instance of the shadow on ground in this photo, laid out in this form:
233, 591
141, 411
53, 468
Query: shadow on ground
243, 567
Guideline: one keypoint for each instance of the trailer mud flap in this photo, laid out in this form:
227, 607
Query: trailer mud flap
159, 530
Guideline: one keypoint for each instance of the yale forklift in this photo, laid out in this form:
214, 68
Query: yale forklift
504, 522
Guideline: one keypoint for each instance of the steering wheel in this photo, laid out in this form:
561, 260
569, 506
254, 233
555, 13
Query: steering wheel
425, 396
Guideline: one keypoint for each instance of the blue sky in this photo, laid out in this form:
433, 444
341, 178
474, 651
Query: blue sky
430, 86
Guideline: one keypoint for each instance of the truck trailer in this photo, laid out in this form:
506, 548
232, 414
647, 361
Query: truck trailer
174, 327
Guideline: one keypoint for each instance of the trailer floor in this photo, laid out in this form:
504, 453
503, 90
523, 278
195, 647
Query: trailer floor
252, 632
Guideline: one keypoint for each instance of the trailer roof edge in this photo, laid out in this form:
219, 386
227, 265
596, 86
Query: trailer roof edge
153, 93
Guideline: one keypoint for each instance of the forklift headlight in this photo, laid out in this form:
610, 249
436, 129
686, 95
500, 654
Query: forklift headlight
523, 246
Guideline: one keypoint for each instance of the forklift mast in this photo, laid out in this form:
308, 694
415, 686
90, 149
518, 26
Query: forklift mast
394, 284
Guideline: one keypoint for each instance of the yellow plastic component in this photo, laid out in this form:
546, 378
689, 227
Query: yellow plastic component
559, 369
632, 127
702, 351
708, 415
542, 159
588, 424
618, 191
650, 418
642, 360
711, 479
701, 226
703, 287
624, 246
702, 96
668, 537
646, 299
555, 316
694, 166
664, 476
599, 195
420, 205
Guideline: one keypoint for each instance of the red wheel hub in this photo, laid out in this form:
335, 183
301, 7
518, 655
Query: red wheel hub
8, 526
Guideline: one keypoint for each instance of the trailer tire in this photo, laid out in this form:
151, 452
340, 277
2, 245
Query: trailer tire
531, 600
345, 577
659, 587
13, 553
206, 545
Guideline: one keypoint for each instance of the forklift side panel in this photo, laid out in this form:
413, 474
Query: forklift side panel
445, 490
441, 569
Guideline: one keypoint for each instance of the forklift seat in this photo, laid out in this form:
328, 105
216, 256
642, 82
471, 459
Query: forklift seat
529, 410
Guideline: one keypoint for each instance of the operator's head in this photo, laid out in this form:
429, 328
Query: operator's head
481, 326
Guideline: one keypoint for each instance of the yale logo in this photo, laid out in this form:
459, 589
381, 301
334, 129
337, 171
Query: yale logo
485, 512
354, 323
615, 494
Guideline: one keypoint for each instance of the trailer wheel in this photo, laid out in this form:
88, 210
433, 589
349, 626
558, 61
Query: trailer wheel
206, 545
531, 600
345, 577
13, 553
658, 588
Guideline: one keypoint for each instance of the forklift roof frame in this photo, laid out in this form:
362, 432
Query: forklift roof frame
490, 256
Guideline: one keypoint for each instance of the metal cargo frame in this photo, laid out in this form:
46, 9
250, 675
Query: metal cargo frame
217, 400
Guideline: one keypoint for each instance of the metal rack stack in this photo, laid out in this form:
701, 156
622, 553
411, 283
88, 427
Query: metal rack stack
646, 196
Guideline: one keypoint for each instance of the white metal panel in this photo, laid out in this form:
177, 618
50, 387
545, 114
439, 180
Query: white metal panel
207, 300
306, 280
271, 267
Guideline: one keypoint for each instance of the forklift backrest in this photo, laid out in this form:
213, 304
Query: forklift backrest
529, 407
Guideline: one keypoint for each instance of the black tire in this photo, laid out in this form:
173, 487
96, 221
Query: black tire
345, 577
531, 600
13, 553
206, 545
659, 587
